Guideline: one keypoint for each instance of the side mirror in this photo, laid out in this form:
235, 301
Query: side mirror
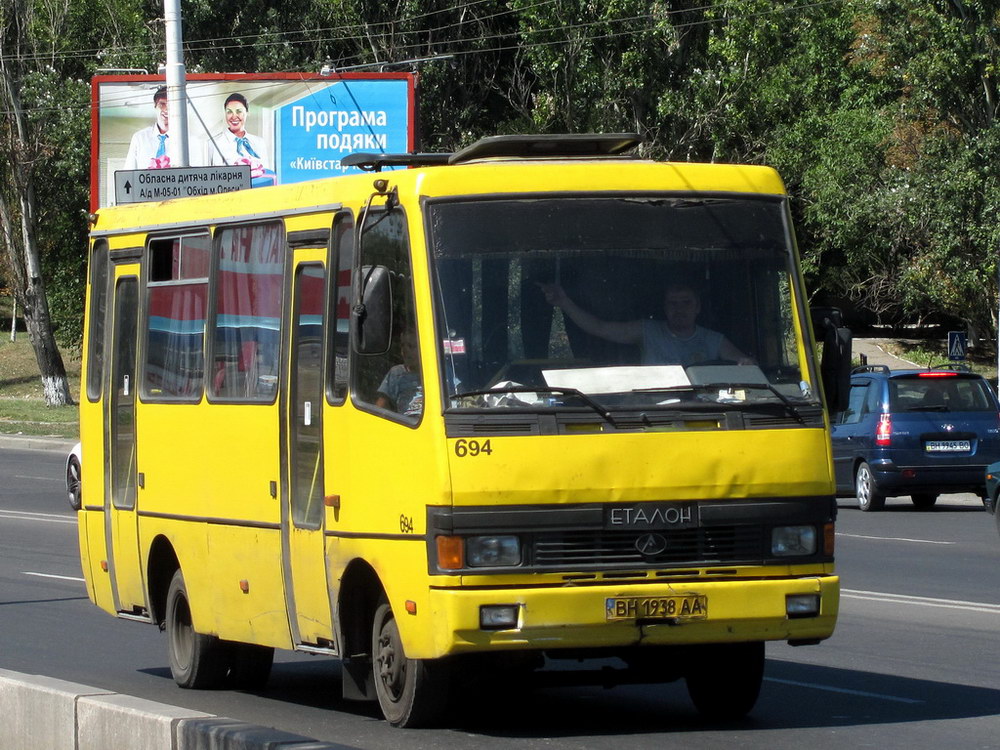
372, 314
835, 366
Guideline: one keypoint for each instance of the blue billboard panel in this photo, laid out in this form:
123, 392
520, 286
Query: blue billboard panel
286, 127
344, 117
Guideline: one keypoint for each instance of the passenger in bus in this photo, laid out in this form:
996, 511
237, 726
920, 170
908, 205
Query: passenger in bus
401, 389
148, 147
678, 340
237, 146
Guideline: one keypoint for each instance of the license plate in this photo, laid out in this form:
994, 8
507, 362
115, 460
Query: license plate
947, 446
687, 607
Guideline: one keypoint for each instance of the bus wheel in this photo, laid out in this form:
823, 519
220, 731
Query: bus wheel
724, 680
249, 665
411, 692
196, 660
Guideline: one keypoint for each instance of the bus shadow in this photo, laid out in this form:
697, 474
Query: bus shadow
794, 696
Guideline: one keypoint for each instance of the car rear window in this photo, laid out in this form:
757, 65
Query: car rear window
916, 393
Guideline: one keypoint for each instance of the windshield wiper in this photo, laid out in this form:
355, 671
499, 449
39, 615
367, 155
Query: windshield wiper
727, 386
792, 408
604, 413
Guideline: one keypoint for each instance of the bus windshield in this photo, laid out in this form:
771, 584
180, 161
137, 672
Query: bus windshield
616, 302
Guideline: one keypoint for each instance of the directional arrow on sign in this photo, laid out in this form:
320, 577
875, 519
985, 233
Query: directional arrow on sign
128, 187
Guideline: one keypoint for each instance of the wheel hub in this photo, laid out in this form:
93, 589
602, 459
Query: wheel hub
391, 666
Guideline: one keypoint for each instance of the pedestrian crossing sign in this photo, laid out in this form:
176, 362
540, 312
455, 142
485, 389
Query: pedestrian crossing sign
956, 345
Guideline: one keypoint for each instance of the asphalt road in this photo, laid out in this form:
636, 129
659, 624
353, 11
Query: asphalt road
914, 662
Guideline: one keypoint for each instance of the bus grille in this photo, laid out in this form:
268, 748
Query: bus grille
711, 545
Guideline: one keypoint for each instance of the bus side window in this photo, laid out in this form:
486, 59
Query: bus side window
391, 381
245, 339
341, 258
98, 305
176, 297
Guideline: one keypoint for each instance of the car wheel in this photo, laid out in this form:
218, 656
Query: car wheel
724, 680
869, 497
73, 486
924, 500
411, 692
196, 660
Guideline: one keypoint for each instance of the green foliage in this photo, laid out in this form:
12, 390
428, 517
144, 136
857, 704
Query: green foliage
879, 114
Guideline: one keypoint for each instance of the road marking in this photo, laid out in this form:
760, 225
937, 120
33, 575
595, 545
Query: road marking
920, 601
39, 479
894, 539
846, 691
50, 575
25, 515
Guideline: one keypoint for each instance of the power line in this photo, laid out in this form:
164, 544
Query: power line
560, 42
211, 42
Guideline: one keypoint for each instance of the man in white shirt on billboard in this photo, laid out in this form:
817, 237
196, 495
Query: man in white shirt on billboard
148, 148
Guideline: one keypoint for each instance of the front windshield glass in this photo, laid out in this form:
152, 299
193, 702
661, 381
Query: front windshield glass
634, 302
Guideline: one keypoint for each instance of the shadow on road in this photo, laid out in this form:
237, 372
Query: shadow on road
794, 696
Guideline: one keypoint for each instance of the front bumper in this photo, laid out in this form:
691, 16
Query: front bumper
574, 617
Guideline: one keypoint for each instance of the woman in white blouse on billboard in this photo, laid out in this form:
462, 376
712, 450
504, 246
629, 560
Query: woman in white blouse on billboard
236, 145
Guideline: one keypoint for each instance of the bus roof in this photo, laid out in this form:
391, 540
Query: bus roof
492, 166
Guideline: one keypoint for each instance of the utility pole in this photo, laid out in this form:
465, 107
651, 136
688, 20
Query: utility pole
176, 89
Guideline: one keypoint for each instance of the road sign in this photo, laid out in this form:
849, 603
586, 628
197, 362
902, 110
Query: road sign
956, 345
138, 185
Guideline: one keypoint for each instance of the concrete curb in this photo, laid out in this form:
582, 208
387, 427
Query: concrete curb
45, 712
37, 443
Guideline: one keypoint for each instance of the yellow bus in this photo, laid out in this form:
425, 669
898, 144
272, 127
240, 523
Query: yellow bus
459, 415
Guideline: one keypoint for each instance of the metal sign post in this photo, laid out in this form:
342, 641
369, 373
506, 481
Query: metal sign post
176, 92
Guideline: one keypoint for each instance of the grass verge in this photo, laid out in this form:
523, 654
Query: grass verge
931, 354
23, 410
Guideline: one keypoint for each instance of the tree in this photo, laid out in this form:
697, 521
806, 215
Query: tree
21, 153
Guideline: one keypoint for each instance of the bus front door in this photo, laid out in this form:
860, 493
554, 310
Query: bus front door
303, 518
121, 530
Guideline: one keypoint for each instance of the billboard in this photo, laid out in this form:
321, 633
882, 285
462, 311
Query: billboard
284, 127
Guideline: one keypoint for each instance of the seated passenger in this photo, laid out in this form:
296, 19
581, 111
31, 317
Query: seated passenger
401, 389
678, 340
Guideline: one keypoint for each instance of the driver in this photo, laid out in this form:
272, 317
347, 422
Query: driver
678, 340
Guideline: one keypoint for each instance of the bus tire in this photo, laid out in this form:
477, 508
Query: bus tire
249, 665
865, 489
724, 680
196, 661
411, 692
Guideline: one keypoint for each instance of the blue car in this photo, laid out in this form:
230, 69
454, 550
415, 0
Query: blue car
920, 433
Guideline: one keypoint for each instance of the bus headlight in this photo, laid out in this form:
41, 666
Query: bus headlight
492, 551
793, 541
802, 605
498, 616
